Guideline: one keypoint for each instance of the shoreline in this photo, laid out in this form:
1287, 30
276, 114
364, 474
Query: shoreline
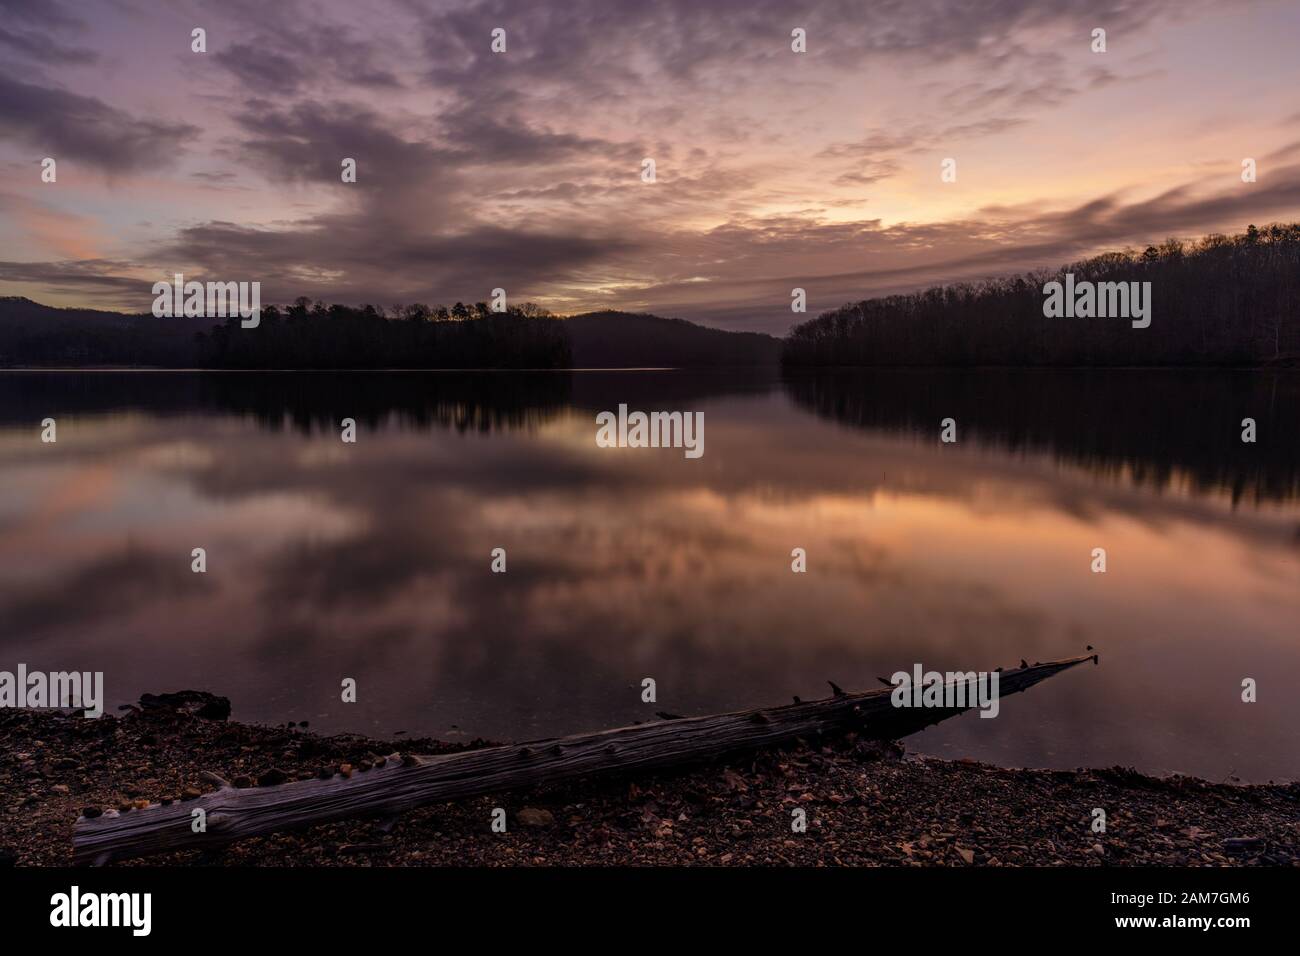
866, 803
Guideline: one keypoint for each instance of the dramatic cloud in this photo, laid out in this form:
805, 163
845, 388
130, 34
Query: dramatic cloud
86, 129
523, 169
283, 63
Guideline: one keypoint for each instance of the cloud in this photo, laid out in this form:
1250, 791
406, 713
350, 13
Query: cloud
307, 56
600, 53
521, 170
738, 274
46, 14
308, 141
754, 263
62, 124
38, 46
27, 28
106, 282
353, 259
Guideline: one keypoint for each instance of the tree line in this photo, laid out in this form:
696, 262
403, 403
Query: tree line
1219, 301
311, 335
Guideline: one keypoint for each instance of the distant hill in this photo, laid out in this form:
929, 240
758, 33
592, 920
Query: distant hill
631, 340
35, 334
319, 337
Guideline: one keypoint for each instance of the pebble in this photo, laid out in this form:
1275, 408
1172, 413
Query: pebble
1243, 845
533, 817
679, 831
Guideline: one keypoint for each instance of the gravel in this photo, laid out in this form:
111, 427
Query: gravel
865, 803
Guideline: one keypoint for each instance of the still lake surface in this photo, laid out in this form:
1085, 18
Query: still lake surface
371, 560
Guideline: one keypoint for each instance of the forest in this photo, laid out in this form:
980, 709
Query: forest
315, 336
1218, 301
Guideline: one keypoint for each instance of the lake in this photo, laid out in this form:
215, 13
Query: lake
372, 560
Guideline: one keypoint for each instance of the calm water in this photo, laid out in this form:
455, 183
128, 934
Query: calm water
372, 560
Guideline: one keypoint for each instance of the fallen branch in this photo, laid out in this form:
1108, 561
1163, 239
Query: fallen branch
402, 783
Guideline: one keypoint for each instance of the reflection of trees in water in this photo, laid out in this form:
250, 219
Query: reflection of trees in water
465, 401
1147, 424
304, 401
309, 402
1151, 425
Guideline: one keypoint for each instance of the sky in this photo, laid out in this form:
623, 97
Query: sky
523, 169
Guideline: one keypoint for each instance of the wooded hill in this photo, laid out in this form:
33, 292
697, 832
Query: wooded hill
1220, 301
310, 335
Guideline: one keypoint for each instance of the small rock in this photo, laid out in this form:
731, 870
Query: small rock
1238, 845
196, 702
272, 777
533, 817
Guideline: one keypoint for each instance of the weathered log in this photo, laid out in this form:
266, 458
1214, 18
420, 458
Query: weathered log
405, 782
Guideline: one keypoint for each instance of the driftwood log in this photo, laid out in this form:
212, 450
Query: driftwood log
403, 783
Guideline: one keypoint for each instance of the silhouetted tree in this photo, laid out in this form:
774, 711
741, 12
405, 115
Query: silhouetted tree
1220, 301
338, 337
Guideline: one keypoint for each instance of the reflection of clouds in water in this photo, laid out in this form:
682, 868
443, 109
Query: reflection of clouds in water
372, 561
181, 455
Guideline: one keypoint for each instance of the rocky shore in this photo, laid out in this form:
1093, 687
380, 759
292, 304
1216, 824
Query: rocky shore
866, 804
